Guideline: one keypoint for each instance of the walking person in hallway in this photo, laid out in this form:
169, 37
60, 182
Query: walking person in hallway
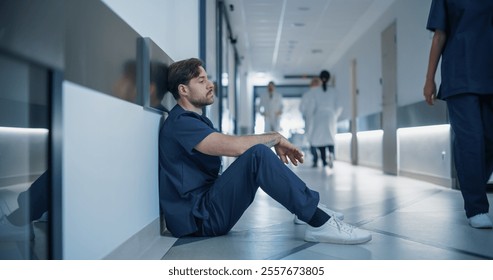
271, 108
197, 200
463, 40
305, 106
322, 110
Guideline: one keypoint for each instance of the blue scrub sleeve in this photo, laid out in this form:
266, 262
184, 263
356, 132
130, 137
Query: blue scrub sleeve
192, 131
437, 18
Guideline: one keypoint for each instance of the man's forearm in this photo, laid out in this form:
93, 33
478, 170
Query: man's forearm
270, 139
218, 144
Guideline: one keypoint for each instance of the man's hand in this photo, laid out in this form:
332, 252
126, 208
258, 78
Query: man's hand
285, 150
430, 91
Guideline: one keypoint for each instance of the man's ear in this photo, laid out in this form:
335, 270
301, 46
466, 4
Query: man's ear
183, 89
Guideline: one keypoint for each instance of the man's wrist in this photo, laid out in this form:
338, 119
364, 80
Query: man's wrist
277, 138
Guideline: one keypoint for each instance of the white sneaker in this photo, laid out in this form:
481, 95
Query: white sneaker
337, 232
331, 161
10, 232
480, 221
329, 212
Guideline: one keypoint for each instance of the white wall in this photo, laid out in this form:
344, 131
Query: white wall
110, 148
245, 102
343, 147
110, 182
433, 162
413, 43
370, 149
171, 24
23, 152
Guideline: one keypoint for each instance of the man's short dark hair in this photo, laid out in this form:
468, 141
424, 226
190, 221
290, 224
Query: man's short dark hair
181, 72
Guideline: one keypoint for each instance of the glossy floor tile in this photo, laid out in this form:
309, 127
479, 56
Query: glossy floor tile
409, 220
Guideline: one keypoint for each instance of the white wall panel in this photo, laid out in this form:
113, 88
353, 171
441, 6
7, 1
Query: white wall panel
23, 152
413, 43
171, 24
370, 148
110, 176
110, 156
426, 152
342, 148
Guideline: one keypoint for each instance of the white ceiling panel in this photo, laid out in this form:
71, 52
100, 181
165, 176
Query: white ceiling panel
297, 37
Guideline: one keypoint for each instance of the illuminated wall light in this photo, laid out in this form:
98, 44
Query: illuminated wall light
23, 130
225, 79
260, 78
343, 136
343, 146
370, 148
371, 135
425, 151
419, 131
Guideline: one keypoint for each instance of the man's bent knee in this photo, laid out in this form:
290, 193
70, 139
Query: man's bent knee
259, 148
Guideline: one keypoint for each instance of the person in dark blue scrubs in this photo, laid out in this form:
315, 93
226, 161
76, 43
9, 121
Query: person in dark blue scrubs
197, 200
463, 39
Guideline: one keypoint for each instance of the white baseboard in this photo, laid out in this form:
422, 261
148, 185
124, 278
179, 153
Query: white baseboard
446, 182
147, 244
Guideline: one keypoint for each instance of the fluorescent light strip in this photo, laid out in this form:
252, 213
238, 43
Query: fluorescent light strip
23, 130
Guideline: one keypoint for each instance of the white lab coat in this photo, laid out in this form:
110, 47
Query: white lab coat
271, 109
320, 110
306, 111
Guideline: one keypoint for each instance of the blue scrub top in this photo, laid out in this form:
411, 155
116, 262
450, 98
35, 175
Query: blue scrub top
185, 173
467, 57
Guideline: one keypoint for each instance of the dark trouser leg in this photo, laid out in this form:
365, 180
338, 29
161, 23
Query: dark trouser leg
323, 154
314, 152
235, 190
467, 121
331, 149
33, 201
487, 114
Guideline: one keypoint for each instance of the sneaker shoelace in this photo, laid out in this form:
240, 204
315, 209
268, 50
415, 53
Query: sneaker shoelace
342, 226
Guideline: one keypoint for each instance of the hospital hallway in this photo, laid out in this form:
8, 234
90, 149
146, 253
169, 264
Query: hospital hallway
86, 86
409, 220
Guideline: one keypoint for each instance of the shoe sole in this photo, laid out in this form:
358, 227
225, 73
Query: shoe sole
481, 227
298, 222
337, 241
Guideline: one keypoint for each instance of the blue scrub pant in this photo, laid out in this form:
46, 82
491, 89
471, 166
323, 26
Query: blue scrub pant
235, 189
471, 118
323, 153
33, 202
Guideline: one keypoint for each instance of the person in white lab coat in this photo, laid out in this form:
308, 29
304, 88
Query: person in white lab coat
305, 108
271, 108
321, 109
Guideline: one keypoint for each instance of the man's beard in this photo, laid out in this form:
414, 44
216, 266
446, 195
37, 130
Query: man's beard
202, 102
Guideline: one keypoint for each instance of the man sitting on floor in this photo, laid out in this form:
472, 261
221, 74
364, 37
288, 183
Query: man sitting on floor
197, 200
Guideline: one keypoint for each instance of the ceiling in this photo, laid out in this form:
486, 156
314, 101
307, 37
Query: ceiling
298, 37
